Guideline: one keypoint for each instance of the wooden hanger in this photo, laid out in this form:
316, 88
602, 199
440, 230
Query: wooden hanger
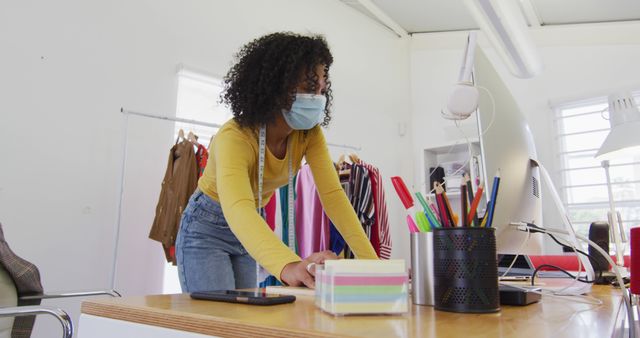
191, 137
354, 158
180, 136
343, 166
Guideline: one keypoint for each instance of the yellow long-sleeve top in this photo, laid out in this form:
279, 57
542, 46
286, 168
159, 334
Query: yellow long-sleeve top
231, 178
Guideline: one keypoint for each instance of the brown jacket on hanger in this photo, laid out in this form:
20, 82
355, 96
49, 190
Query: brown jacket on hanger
180, 181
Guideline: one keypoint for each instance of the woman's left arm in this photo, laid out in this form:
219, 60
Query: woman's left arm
334, 200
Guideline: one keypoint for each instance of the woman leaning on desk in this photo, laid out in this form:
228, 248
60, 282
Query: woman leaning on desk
280, 83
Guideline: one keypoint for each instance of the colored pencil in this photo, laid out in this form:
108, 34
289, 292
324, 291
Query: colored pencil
467, 182
474, 206
452, 216
442, 207
434, 209
446, 211
463, 205
483, 223
471, 198
494, 199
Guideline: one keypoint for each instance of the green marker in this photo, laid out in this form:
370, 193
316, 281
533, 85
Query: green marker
423, 222
430, 216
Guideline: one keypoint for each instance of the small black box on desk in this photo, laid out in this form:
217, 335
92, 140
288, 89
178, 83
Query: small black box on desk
510, 295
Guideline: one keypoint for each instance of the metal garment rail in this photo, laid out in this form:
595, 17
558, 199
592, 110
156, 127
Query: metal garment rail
123, 163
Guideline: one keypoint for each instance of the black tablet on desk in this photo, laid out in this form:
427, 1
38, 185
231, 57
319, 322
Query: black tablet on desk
521, 267
244, 297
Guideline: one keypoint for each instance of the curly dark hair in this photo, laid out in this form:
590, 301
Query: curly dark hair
268, 70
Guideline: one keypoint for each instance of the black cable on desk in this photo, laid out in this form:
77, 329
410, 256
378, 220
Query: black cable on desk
535, 272
534, 228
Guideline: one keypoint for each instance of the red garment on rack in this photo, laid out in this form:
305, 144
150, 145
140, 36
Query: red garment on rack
202, 155
270, 212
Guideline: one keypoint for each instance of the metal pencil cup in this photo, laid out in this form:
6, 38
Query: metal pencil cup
422, 268
465, 269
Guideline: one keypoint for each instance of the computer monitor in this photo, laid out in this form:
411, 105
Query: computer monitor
507, 144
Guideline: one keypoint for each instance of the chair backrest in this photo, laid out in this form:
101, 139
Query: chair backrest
8, 297
26, 279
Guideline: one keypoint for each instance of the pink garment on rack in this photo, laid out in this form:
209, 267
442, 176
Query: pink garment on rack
270, 212
312, 224
380, 235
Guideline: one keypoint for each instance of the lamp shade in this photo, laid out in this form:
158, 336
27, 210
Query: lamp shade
624, 136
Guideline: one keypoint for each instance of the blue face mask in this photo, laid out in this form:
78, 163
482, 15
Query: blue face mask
307, 110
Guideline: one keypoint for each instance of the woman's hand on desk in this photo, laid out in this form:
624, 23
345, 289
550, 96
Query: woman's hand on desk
301, 273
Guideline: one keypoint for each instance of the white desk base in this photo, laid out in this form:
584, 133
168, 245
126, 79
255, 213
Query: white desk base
90, 326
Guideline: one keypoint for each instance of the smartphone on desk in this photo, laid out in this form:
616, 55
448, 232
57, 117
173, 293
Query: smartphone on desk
244, 297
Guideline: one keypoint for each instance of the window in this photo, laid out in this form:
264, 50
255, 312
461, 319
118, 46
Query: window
198, 100
581, 128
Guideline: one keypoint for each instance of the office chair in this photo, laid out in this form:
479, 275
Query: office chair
21, 293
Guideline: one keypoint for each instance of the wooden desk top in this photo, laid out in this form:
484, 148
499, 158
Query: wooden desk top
552, 317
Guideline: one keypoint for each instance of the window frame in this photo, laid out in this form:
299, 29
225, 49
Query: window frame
564, 171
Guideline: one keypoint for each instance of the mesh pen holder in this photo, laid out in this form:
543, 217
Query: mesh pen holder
466, 270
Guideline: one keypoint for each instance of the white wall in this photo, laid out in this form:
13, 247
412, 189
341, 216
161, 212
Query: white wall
68, 66
580, 61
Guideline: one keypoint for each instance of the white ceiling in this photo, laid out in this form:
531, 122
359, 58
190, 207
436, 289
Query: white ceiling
417, 16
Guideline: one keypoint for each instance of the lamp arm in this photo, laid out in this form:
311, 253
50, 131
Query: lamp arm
469, 57
616, 228
623, 234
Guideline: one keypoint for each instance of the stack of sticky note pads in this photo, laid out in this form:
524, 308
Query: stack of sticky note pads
353, 286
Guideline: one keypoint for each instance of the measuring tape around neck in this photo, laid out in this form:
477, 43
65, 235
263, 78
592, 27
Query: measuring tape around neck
291, 236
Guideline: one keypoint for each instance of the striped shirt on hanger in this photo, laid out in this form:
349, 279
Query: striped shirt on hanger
380, 236
361, 196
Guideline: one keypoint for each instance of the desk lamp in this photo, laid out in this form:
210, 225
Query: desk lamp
623, 139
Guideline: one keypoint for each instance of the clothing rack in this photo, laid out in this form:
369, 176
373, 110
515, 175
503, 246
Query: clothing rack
214, 125
123, 164
170, 118
345, 146
126, 113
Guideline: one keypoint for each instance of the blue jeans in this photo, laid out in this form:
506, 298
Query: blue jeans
209, 255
